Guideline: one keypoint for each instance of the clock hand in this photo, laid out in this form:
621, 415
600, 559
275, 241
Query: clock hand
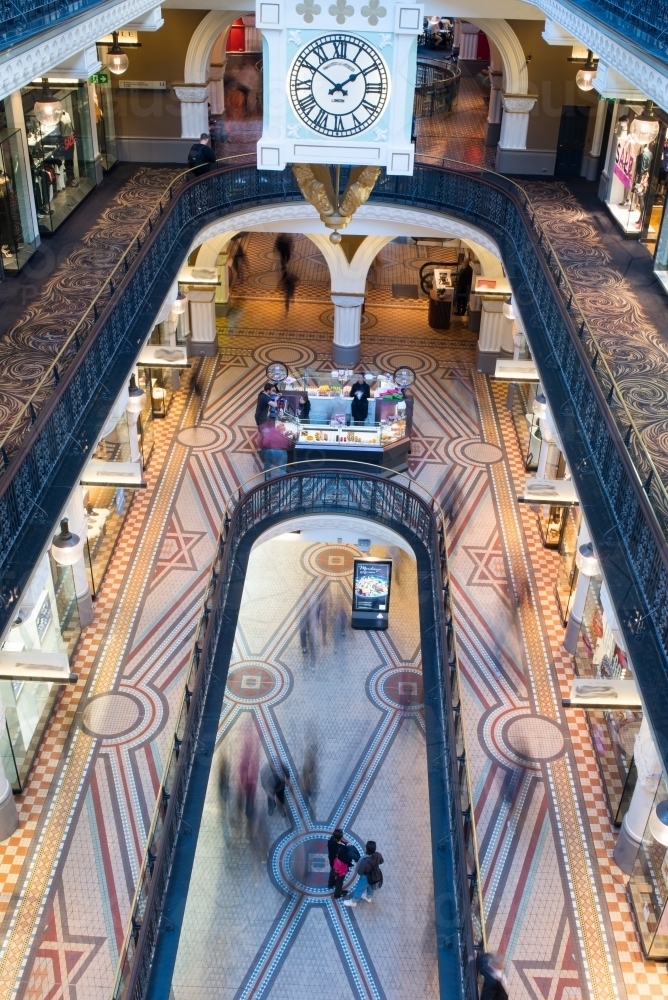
337, 86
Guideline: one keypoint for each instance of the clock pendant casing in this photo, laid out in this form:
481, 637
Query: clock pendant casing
339, 82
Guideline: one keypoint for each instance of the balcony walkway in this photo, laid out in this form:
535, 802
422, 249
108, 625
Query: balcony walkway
555, 902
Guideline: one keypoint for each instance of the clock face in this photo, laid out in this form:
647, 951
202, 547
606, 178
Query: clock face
338, 85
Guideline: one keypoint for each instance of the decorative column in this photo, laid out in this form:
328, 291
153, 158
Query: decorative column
590, 162
67, 550
223, 286
346, 348
217, 89
194, 110
587, 564
469, 43
515, 121
495, 106
457, 33
133, 407
648, 766
496, 333
204, 338
9, 817
24, 189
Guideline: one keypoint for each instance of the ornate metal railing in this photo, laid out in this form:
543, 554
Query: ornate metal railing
609, 462
436, 87
644, 22
20, 19
459, 915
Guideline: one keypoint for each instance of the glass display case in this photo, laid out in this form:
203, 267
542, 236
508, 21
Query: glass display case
648, 885
17, 233
103, 109
61, 151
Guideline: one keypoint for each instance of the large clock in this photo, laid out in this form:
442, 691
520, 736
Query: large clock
338, 85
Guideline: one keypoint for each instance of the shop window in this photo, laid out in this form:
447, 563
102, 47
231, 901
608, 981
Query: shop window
526, 423
103, 111
61, 153
17, 234
567, 575
107, 508
648, 885
47, 622
637, 177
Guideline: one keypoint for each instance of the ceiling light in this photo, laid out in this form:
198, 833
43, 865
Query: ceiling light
117, 61
645, 127
180, 304
585, 77
48, 109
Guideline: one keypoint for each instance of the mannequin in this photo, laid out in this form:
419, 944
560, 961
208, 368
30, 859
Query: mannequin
643, 163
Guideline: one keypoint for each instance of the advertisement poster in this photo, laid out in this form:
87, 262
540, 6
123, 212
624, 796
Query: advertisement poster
371, 585
624, 163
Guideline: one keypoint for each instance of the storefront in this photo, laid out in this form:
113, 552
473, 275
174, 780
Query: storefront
40, 643
59, 130
103, 112
648, 885
17, 230
160, 365
636, 171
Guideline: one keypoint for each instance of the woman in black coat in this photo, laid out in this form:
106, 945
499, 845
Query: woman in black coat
359, 394
494, 981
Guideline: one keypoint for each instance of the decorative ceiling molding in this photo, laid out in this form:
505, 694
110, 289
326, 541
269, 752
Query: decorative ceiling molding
645, 74
36, 60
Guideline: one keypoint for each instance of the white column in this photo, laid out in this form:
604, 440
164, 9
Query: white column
68, 551
194, 110
515, 121
590, 162
648, 766
469, 43
25, 193
494, 110
223, 288
203, 338
93, 132
588, 566
217, 89
457, 33
347, 325
546, 438
133, 407
9, 817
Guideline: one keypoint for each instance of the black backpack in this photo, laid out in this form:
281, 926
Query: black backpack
352, 854
375, 877
196, 155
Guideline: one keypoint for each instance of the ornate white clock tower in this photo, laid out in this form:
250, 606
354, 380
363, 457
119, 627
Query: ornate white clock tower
339, 79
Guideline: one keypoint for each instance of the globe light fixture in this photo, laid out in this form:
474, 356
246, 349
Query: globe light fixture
136, 397
539, 406
48, 109
585, 77
180, 304
117, 61
645, 127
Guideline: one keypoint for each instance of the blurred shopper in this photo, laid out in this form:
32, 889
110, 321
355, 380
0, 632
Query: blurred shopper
288, 285
262, 407
272, 445
345, 857
274, 785
201, 156
370, 875
463, 288
248, 774
283, 247
494, 985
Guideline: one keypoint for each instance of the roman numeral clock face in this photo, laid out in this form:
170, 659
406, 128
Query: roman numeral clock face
338, 85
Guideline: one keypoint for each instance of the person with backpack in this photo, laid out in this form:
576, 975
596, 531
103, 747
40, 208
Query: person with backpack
201, 156
370, 875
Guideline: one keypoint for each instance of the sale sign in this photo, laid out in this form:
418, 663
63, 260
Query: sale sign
624, 163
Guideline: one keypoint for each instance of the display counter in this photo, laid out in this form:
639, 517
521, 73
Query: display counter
386, 444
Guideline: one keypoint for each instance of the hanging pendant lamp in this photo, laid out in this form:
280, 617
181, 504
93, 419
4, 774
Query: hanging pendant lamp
117, 61
584, 78
48, 109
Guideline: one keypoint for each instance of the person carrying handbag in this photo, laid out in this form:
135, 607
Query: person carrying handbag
370, 875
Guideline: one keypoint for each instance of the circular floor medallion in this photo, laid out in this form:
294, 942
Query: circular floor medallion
330, 560
400, 689
255, 682
482, 453
292, 355
300, 863
419, 361
534, 738
199, 437
110, 716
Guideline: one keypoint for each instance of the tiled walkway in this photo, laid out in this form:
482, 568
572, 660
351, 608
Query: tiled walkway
555, 901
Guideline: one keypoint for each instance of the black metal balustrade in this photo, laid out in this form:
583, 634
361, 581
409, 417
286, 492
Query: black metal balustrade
436, 88
21, 19
616, 479
256, 506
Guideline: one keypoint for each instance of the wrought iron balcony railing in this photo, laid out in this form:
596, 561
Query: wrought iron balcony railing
21, 19
614, 473
460, 928
644, 22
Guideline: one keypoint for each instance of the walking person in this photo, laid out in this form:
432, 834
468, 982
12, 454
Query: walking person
370, 875
283, 247
359, 394
288, 285
201, 156
274, 785
494, 985
273, 445
342, 856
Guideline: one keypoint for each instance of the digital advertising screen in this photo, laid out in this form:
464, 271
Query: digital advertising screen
371, 584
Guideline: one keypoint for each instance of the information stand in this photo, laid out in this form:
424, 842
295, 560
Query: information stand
372, 580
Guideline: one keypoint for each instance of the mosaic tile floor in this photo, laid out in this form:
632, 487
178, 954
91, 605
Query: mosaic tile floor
66, 877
